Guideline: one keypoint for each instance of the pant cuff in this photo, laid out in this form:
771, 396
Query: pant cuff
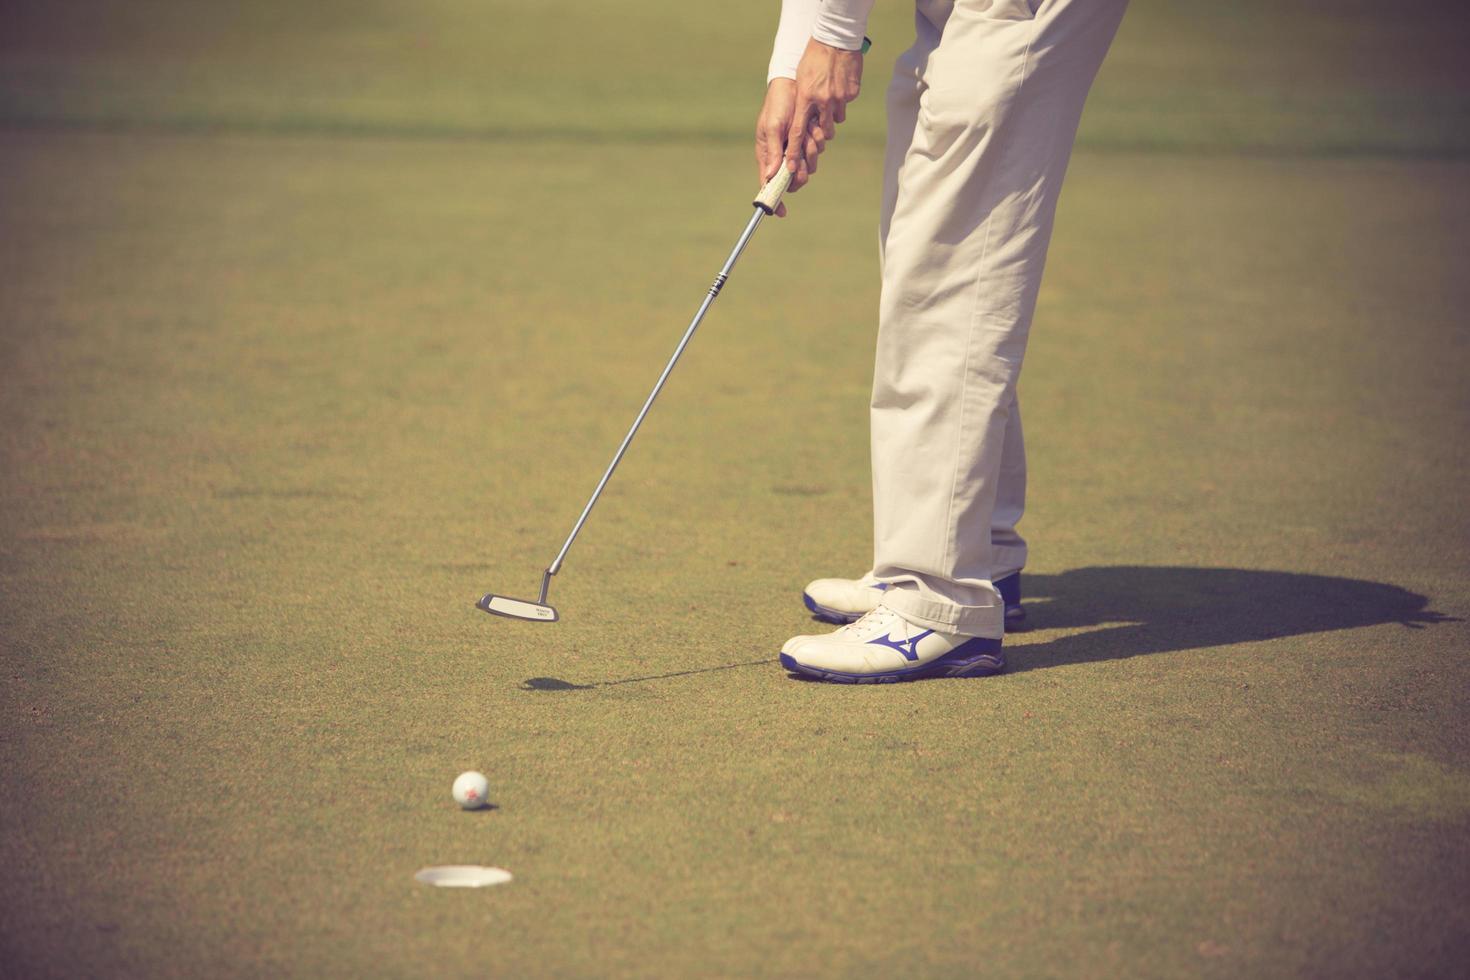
947, 617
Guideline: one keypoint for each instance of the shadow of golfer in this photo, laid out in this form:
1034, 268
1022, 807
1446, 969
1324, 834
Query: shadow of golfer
1137, 610
1163, 609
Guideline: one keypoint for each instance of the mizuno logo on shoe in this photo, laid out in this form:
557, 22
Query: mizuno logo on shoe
909, 648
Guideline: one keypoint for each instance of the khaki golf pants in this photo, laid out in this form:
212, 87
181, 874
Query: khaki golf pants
982, 114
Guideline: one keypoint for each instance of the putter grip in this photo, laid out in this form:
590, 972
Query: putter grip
770, 195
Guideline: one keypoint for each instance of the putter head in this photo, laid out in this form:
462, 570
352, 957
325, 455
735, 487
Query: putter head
534, 612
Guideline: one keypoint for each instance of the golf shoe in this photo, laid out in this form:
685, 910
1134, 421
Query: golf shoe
882, 647
843, 600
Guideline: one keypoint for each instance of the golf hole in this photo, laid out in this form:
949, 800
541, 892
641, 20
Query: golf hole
462, 876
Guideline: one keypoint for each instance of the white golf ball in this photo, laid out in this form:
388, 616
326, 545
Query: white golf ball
471, 789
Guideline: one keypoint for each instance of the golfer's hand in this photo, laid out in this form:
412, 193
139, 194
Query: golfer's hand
771, 127
827, 80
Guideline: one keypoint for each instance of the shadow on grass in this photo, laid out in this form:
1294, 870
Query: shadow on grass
1163, 609
1130, 611
557, 684
485, 808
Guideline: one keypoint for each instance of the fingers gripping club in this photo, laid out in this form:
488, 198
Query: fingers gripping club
770, 195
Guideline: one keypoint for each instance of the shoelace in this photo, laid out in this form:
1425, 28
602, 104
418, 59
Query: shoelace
879, 618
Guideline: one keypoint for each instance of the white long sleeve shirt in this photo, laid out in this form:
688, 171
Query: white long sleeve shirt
840, 23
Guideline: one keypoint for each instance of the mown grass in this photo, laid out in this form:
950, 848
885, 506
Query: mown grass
1342, 77
275, 408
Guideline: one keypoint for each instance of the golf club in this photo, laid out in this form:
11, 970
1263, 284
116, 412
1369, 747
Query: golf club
538, 611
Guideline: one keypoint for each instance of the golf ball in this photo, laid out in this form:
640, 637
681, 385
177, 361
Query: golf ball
470, 789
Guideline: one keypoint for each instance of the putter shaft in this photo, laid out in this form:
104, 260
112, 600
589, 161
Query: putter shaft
714, 291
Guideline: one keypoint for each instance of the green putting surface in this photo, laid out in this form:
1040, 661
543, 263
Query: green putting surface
315, 325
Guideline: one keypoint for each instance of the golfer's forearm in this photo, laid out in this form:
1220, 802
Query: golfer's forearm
839, 23
797, 18
842, 23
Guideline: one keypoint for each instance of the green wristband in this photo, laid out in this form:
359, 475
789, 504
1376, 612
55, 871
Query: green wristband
867, 43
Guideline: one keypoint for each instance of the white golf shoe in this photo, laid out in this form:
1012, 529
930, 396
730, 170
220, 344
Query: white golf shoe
843, 600
882, 647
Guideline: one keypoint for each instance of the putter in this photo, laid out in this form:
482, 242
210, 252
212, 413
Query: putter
538, 611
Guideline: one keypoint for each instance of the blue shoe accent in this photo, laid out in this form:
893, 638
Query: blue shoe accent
978, 657
908, 649
1010, 593
828, 615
